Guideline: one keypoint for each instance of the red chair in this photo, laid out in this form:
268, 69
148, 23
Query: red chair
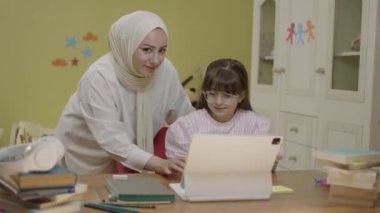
159, 150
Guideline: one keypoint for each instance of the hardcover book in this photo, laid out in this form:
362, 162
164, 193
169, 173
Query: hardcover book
348, 156
29, 194
43, 202
351, 166
140, 189
56, 177
352, 201
350, 192
363, 179
13, 206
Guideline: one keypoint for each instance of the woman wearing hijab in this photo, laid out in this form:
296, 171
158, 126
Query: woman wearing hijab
123, 100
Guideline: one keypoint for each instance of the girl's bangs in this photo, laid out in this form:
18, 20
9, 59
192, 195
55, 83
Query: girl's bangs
224, 83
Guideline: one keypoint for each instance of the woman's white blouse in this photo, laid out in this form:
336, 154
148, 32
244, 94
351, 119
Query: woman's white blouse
98, 124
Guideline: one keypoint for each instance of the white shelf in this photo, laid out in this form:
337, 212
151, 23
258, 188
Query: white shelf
348, 54
267, 58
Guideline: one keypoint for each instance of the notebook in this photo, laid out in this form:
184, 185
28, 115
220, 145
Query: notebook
228, 167
140, 190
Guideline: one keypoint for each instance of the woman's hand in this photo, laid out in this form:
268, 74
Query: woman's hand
170, 167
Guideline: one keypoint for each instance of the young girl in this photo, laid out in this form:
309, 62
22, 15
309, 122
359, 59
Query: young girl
224, 108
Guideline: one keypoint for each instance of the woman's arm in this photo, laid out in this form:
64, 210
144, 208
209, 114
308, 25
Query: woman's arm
105, 115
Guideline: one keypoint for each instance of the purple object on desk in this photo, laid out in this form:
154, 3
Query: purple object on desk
321, 182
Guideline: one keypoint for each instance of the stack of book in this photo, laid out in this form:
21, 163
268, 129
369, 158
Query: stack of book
56, 190
352, 175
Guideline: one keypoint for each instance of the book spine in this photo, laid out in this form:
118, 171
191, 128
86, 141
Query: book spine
39, 193
147, 198
359, 185
112, 189
351, 177
38, 182
8, 186
352, 201
348, 156
353, 192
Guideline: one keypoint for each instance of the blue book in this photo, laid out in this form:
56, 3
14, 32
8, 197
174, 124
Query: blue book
10, 184
29, 194
58, 176
54, 178
348, 155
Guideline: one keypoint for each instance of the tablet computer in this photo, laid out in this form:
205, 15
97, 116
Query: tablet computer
229, 167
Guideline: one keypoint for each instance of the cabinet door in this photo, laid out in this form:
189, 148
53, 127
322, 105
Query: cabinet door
340, 135
346, 67
345, 107
297, 39
264, 79
263, 59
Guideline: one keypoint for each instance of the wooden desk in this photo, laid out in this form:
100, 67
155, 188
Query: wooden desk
306, 197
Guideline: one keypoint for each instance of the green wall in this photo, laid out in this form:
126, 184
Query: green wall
34, 33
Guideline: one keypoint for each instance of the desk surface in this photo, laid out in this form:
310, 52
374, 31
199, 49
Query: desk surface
306, 197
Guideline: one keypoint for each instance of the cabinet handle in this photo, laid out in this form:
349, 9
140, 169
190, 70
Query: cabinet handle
275, 70
293, 158
278, 70
293, 129
320, 71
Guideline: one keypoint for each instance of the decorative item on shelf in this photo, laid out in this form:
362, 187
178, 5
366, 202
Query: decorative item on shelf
266, 45
192, 92
355, 44
25, 132
1, 135
197, 73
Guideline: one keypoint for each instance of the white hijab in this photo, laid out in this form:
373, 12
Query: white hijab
125, 36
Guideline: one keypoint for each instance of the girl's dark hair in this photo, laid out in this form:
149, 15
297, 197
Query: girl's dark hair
226, 75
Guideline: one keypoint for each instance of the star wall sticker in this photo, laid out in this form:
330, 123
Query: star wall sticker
87, 53
74, 61
90, 37
59, 62
71, 42
80, 48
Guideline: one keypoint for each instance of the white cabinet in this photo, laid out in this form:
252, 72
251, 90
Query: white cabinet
317, 91
299, 133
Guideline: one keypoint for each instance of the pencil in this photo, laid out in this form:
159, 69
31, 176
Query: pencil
110, 208
143, 206
99, 208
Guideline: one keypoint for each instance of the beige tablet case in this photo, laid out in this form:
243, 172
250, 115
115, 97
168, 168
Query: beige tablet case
229, 167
